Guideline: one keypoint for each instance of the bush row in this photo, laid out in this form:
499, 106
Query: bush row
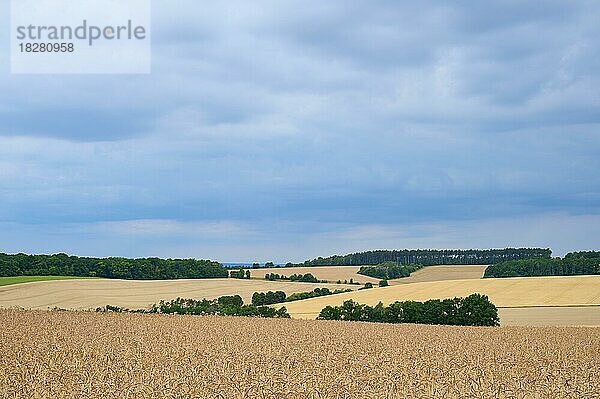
474, 310
223, 306
270, 298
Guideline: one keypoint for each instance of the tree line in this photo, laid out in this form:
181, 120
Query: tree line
303, 278
474, 310
428, 257
122, 268
273, 297
241, 274
572, 264
229, 305
389, 270
583, 254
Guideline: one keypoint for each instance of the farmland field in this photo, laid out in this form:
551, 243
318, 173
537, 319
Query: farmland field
329, 273
135, 294
91, 355
507, 292
335, 273
443, 273
29, 279
550, 316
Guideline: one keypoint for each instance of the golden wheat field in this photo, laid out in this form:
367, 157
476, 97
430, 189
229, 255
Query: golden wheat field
136, 294
503, 292
93, 355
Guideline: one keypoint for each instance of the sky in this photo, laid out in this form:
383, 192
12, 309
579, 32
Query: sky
286, 130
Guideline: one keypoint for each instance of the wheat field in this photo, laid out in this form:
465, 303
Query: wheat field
503, 292
93, 293
91, 355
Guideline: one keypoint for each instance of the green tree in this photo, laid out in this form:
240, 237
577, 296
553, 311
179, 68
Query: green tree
477, 310
330, 313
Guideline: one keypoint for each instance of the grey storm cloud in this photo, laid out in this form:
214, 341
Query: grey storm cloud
312, 118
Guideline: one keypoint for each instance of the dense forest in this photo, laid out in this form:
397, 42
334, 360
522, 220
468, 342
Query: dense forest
474, 310
268, 298
576, 263
123, 268
583, 254
230, 305
428, 257
389, 270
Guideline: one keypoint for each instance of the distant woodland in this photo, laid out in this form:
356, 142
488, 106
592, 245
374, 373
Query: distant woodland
574, 263
389, 270
428, 257
509, 262
122, 268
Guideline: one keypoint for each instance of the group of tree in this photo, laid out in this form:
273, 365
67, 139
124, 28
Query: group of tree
474, 310
351, 281
122, 268
430, 257
269, 265
231, 305
302, 278
270, 298
389, 270
583, 254
575, 263
241, 274
314, 293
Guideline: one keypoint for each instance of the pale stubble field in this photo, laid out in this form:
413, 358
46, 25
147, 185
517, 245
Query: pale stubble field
138, 294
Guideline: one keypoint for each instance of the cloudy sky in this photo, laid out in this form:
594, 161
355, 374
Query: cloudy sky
286, 130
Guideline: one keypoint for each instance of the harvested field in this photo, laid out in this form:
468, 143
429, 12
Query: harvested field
335, 273
506, 292
76, 354
443, 273
551, 316
329, 273
29, 279
136, 294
